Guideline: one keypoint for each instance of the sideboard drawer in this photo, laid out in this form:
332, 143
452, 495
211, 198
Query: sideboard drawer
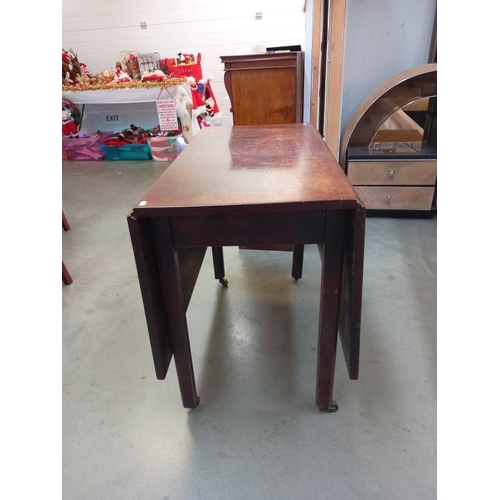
396, 198
369, 173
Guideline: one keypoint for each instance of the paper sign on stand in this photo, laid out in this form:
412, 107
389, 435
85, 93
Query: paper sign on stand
166, 114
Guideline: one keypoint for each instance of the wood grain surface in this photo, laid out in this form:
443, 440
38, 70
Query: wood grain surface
250, 169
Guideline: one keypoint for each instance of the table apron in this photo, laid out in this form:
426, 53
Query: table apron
248, 229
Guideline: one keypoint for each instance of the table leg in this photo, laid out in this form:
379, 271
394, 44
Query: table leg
170, 272
66, 277
331, 281
297, 262
219, 271
65, 223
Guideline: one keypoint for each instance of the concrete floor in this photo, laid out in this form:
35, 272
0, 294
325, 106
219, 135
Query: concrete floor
257, 433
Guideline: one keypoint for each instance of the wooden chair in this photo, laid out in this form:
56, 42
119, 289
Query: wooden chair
66, 277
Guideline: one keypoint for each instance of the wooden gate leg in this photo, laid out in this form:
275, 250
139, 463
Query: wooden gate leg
219, 272
298, 261
331, 281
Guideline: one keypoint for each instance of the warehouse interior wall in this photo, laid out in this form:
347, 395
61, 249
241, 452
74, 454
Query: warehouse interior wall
99, 30
382, 39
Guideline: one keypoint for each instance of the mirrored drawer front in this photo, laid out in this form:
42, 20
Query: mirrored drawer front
369, 173
396, 198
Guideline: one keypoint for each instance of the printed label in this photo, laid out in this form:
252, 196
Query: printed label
166, 114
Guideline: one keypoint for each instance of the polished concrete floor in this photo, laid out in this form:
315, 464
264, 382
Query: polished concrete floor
257, 433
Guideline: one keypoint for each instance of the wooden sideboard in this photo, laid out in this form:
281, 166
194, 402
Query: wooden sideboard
265, 89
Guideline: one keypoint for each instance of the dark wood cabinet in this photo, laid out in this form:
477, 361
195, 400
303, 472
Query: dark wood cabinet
265, 89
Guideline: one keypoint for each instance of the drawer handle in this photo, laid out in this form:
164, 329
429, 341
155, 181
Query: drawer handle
391, 173
388, 197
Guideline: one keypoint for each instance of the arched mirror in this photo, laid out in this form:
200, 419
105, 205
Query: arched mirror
389, 147
410, 130
400, 92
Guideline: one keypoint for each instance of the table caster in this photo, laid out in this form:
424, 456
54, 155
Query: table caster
195, 405
332, 408
223, 282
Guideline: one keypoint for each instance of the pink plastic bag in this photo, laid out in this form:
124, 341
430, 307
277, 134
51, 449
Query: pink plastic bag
84, 148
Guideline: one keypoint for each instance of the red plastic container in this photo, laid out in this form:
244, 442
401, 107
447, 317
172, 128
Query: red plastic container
185, 70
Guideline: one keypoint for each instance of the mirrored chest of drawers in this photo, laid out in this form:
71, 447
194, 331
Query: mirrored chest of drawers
393, 181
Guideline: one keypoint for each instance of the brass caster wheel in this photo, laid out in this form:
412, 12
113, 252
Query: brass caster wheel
332, 408
224, 282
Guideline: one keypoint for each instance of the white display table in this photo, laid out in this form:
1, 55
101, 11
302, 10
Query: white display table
115, 109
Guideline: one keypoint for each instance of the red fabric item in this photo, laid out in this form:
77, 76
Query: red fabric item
116, 142
70, 128
209, 93
152, 78
197, 99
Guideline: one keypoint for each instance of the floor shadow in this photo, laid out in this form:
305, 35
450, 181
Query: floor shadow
250, 354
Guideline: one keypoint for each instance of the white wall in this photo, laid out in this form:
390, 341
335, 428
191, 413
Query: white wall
382, 38
98, 30
308, 60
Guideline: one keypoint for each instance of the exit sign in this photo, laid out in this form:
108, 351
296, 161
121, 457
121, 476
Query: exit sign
112, 118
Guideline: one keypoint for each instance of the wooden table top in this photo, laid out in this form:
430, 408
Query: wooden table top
250, 169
